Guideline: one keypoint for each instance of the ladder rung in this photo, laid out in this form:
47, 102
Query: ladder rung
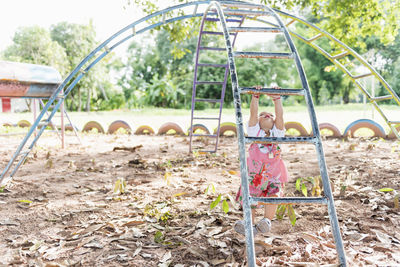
212, 48
319, 35
206, 135
394, 122
246, 12
214, 33
207, 100
25, 152
338, 56
212, 65
263, 55
204, 118
286, 140
289, 200
380, 98
227, 20
208, 82
251, 90
363, 75
254, 29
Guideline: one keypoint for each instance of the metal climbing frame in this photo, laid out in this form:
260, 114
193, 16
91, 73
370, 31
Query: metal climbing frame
249, 10
201, 46
240, 9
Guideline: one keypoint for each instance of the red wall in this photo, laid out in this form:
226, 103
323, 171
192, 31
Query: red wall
6, 104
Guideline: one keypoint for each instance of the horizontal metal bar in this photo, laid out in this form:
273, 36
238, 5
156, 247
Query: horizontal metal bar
243, 12
263, 55
289, 200
212, 48
209, 82
286, 140
204, 118
343, 54
206, 135
393, 122
254, 29
251, 90
363, 75
319, 35
227, 20
212, 65
380, 98
207, 100
242, 5
214, 33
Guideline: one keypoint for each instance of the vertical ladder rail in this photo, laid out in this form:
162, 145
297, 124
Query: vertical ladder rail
241, 145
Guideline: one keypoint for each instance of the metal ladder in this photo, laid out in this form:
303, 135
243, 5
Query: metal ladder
246, 9
199, 65
20, 154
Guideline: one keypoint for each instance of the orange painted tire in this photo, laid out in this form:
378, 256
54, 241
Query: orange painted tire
225, 127
199, 126
365, 123
144, 129
297, 126
391, 135
170, 126
328, 126
24, 124
93, 125
116, 125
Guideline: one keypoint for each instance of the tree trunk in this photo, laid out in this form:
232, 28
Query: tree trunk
88, 100
79, 100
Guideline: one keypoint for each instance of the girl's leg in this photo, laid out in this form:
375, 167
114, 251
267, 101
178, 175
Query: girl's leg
270, 210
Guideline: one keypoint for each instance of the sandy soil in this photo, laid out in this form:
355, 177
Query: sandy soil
65, 208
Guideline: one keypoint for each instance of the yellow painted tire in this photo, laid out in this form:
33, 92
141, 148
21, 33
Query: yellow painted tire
24, 124
170, 126
297, 126
199, 126
144, 129
365, 123
93, 125
225, 127
328, 126
116, 125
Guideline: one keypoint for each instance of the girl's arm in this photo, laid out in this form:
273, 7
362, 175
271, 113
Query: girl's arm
254, 109
279, 123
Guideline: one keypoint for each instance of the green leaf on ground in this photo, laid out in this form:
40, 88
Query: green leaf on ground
225, 206
215, 202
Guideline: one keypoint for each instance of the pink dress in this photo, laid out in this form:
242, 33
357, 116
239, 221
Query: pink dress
267, 171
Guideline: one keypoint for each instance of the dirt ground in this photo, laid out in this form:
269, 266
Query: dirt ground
70, 207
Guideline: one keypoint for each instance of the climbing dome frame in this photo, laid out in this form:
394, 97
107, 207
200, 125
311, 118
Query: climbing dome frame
222, 12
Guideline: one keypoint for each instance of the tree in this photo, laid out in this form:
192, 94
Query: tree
349, 21
78, 41
34, 45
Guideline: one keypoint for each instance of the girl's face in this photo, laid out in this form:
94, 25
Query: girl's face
266, 120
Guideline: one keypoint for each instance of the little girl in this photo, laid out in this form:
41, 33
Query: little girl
266, 169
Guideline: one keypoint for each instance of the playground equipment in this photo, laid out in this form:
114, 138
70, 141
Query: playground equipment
22, 80
223, 12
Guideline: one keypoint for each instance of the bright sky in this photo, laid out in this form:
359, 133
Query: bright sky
108, 16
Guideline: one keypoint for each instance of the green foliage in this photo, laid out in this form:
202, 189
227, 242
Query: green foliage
286, 208
34, 45
301, 185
